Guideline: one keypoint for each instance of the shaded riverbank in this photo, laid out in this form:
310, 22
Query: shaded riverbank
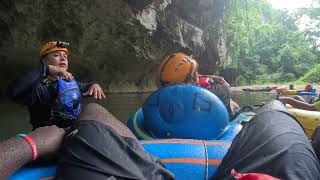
297, 87
151, 88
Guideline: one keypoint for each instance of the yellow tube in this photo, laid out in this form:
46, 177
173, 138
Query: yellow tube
288, 93
308, 119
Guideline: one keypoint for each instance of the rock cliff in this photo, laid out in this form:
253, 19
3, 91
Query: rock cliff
116, 42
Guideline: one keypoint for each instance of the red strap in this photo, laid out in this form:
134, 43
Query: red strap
251, 176
203, 81
32, 144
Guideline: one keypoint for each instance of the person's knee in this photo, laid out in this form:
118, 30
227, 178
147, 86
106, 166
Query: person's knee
98, 113
233, 105
92, 111
92, 107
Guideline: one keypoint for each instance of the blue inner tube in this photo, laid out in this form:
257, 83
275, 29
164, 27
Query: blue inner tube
231, 130
34, 173
184, 111
307, 93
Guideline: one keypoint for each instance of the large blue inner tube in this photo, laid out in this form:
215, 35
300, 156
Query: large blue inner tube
184, 111
232, 129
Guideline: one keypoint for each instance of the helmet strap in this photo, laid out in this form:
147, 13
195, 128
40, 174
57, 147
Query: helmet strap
42, 60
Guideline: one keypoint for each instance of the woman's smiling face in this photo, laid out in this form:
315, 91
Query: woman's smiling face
57, 58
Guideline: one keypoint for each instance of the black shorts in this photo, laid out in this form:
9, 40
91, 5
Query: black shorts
94, 151
273, 143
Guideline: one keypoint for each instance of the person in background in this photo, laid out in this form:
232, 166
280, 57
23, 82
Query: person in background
211, 81
50, 92
308, 88
180, 68
300, 102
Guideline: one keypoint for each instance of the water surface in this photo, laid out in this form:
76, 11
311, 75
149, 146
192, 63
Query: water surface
15, 118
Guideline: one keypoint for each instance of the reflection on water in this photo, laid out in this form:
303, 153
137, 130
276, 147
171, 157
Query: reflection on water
123, 105
252, 98
15, 118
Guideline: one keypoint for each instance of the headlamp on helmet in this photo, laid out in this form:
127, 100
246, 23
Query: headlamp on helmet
62, 44
53, 46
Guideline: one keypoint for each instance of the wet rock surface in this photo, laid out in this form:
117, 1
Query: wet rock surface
115, 42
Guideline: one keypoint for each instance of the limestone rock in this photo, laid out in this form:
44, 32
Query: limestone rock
116, 42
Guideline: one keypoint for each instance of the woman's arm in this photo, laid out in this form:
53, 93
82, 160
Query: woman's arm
91, 89
297, 104
23, 90
14, 153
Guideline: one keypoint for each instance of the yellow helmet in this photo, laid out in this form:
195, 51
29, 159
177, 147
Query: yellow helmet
53, 46
177, 68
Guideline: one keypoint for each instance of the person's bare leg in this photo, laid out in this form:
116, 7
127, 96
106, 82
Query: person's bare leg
96, 112
299, 98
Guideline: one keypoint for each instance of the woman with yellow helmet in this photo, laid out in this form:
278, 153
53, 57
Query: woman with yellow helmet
50, 92
180, 68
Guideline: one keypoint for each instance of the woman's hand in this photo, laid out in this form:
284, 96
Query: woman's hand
58, 73
96, 91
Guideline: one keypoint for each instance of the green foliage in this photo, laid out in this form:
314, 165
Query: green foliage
266, 45
313, 76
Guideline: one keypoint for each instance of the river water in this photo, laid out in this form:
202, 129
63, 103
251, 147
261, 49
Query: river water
15, 118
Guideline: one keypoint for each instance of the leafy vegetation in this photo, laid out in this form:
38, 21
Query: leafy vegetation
268, 46
312, 76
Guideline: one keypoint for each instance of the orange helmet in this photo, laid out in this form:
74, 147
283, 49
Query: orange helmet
53, 46
177, 68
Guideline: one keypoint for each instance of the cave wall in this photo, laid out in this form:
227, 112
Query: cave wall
115, 42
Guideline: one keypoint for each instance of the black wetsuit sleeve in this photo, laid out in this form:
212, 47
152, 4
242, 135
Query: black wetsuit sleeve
28, 88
